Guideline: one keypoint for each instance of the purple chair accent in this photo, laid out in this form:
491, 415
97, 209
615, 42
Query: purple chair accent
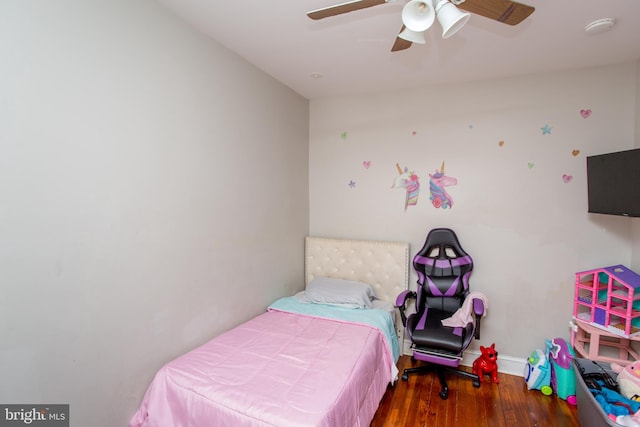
424, 260
478, 307
461, 261
452, 363
402, 297
451, 291
423, 319
443, 270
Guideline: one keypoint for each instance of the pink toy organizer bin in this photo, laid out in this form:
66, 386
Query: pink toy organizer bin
606, 310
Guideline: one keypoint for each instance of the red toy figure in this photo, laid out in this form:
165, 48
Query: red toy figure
486, 364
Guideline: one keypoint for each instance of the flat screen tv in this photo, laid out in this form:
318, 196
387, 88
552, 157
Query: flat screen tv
613, 182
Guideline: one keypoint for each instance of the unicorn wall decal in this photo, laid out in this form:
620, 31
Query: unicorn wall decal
410, 182
437, 182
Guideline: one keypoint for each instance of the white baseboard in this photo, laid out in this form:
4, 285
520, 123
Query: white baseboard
506, 364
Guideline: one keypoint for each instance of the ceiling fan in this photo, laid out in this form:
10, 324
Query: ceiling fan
419, 15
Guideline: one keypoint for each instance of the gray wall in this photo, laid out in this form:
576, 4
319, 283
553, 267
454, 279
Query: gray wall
153, 193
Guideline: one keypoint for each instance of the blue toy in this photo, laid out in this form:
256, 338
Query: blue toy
537, 372
613, 403
563, 380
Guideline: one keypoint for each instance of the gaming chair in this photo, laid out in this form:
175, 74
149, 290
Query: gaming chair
443, 270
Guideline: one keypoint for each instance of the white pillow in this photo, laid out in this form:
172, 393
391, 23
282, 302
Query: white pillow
344, 293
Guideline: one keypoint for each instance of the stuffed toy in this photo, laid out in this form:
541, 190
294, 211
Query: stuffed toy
486, 363
628, 379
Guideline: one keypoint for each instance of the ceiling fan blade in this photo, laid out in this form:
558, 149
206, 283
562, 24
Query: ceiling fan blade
338, 9
400, 43
505, 11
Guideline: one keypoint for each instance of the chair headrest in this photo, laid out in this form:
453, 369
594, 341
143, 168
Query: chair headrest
442, 255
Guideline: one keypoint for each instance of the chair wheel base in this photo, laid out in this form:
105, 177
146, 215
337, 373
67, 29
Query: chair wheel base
405, 377
476, 383
444, 394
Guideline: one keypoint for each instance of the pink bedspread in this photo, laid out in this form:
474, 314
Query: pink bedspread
278, 369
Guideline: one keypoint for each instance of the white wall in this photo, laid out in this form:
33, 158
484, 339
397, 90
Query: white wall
527, 230
153, 193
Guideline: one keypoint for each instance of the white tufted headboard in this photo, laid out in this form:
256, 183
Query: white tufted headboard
383, 265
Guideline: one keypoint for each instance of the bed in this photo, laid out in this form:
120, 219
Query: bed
322, 357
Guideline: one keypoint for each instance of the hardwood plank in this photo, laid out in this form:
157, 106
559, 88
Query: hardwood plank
416, 403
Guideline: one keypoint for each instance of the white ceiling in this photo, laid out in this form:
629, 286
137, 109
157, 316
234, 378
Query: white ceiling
352, 51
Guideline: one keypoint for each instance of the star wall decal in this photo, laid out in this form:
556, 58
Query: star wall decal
546, 130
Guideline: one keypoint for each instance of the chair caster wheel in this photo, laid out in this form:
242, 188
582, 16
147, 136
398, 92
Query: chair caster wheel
476, 383
405, 377
444, 394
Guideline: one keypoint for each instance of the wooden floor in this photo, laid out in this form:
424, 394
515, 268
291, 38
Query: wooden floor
416, 403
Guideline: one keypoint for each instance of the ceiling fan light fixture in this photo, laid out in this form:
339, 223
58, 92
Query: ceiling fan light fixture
450, 18
418, 15
412, 36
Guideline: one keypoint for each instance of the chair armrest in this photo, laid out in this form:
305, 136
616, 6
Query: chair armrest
478, 307
478, 311
402, 298
401, 301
